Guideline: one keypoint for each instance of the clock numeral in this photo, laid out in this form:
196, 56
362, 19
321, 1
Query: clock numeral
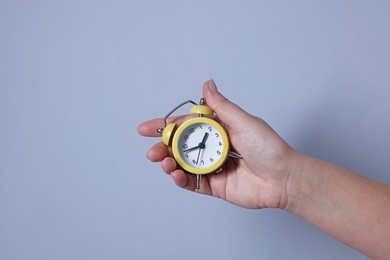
186, 137
216, 135
219, 152
200, 126
186, 155
194, 162
220, 144
210, 129
211, 160
184, 146
202, 162
192, 130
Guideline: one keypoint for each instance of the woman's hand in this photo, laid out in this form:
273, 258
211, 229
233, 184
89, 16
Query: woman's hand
260, 180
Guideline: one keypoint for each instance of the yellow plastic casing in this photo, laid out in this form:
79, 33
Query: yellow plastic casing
201, 109
175, 145
168, 133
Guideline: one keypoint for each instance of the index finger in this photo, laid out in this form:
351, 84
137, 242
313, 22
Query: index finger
149, 128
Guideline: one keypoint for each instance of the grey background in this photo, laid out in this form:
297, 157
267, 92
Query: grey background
77, 77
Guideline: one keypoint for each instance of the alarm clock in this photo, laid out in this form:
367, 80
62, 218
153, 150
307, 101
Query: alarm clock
200, 145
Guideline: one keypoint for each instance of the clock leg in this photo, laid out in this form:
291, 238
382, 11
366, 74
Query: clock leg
198, 177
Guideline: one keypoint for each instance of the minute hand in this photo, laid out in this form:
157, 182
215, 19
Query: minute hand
202, 145
190, 149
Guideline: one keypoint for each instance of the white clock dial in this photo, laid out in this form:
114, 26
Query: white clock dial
200, 145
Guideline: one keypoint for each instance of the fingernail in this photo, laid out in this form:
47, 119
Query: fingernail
213, 88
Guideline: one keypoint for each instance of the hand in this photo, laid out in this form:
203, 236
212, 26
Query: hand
261, 179
272, 174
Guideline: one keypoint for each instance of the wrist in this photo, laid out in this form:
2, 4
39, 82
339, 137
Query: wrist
300, 164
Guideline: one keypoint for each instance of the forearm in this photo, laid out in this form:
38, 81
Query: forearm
349, 207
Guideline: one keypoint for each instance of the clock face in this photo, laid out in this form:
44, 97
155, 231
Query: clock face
201, 145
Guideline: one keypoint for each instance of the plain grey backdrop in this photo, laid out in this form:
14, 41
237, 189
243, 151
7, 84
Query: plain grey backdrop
77, 77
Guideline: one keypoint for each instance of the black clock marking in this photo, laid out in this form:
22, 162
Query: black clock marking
201, 145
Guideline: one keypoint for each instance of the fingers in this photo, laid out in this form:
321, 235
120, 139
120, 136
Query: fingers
158, 152
228, 112
149, 128
168, 165
188, 181
182, 180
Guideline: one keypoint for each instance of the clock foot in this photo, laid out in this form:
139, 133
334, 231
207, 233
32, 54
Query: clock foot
235, 155
198, 177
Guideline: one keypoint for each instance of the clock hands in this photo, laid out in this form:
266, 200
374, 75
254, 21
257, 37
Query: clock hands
201, 145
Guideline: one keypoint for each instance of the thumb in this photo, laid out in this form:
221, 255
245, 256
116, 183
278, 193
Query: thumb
229, 113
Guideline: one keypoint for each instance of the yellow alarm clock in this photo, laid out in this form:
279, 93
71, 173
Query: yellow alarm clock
200, 145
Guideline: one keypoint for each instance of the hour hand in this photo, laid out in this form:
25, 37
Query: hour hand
202, 144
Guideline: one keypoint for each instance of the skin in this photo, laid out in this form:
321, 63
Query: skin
349, 207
